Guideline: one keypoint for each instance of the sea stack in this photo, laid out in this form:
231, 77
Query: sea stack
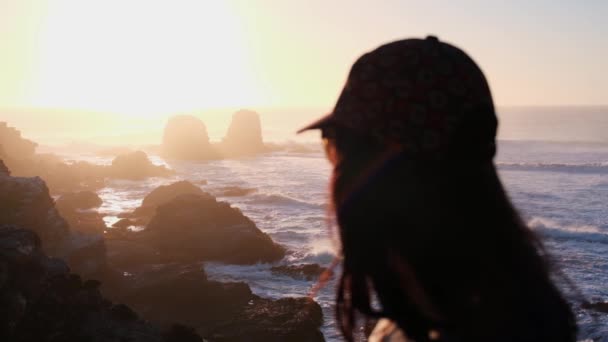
244, 136
186, 138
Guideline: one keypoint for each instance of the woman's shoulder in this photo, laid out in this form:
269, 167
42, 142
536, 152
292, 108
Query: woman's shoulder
387, 331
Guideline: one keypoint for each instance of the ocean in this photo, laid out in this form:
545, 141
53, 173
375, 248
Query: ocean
553, 162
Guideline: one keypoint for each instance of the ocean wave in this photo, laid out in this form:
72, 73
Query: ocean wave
283, 200
594, 168
553, 229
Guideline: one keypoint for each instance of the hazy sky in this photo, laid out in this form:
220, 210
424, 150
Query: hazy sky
145, 58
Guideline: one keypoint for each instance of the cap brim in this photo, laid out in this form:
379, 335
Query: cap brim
318, 124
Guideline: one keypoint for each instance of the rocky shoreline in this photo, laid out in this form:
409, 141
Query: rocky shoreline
157, 273
65, 276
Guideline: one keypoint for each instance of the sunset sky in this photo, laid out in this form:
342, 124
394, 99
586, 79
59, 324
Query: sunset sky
146, 58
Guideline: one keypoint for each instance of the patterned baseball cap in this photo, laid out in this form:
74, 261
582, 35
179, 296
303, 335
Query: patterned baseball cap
426, 96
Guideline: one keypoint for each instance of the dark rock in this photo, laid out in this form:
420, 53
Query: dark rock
244, 135
176, 292
286, 319
42, 304
304, 271
199, 228
79, 200
135, 166
219, 311
26, 202
125, 252
186, 138
77, 209
234, 191
87, 253
599, 306
165, 194
181, 333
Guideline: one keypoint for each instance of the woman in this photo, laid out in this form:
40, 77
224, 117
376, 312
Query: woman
431, 244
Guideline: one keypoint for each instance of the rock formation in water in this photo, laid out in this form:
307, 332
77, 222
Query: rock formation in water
136, 166
79, 210
164, 194
244, 136
41, 301
186, 138
193, 227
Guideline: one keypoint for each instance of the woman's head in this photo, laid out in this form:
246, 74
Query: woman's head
426, 228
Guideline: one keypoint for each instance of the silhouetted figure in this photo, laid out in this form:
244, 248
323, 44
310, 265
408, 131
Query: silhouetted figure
425, 225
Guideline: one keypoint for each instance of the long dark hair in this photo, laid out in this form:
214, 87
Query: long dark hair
440, 249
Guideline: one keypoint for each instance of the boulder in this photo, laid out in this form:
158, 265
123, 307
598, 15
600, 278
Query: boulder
304, 271
199, 228
42, 301
166, 193
186, 138
136, 166
286, 319
79, 200
244, 135
599, 306
219, 311
78, 209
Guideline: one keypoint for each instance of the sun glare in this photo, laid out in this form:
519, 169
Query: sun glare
142, 58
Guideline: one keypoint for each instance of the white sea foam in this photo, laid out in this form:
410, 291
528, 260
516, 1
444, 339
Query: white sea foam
599, 168
552, 228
